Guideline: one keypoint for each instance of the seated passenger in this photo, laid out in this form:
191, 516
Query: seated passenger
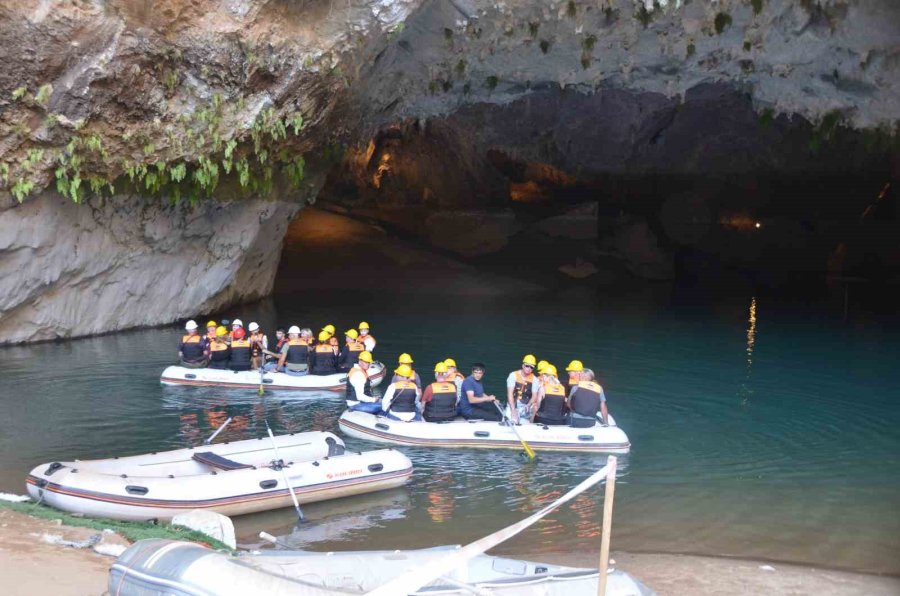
439, 398
219, 350
323, 359
359, 389
474, 404
193, 351
366, 337
401, 399
350, 352
574, 369
549, 403
518, 389
240, 350
211, 329
415, 378
259, 344
293, 358
585, 400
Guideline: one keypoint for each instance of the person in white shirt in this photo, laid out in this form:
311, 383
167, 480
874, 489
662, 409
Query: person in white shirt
359, 389
402, 398
366, 337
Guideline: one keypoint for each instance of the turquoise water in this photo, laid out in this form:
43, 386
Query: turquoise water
758, 430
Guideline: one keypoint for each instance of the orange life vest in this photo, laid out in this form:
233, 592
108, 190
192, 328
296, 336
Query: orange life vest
522, 388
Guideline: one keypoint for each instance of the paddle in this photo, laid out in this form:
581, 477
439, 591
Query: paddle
262, 380
280, 463
218, 430
528, 450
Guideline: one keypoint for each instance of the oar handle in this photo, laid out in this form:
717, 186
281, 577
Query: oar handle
218, 430
284, 474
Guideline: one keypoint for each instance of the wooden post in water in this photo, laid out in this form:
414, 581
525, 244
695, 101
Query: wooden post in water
607, 524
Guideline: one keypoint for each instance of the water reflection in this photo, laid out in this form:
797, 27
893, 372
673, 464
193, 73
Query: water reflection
746, 389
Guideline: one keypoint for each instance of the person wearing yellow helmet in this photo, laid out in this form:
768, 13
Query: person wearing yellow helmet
323, 360
538, 376
586, 400
211, 327
415, 378
574, 369
359, 389
519, 385
365, 336
401, 398
219, 350
439, 399
350, 351
549, 403
454, 376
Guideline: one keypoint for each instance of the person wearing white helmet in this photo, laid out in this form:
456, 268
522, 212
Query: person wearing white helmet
235, 325
294, 356
193, 350
259, 343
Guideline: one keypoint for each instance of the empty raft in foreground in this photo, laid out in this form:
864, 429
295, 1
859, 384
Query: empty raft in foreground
229, 478
251, 379
485, 434
183, 568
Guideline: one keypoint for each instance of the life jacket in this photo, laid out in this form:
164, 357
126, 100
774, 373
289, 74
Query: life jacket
192, 348
240, 354
218, 353
325, 362
586, 399
443, 402
280, 343
210, 336
350, 353
298, 352
553, 405
351, 392
256, 340
404, 397
522, 388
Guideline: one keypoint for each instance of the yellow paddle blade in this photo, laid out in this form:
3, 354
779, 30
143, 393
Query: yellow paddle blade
528, 450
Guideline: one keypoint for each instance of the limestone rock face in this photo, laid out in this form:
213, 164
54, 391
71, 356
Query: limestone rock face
69, 270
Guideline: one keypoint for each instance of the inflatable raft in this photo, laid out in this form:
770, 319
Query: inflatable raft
485, 434
229, 478
250, 379
183, 568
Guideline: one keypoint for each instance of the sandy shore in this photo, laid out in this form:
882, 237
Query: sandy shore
31, 565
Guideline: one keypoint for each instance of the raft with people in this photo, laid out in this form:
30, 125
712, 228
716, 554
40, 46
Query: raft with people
233, 478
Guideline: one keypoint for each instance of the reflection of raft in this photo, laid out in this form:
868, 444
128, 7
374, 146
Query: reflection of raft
166, 567
229, 478
250, 379
484, 434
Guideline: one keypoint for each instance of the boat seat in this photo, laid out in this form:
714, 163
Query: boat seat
217, 461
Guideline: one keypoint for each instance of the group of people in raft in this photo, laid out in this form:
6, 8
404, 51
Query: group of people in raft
534, 392
296, 352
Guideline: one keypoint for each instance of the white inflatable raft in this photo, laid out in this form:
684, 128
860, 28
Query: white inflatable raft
229, 478
182, 568
250, 379
485, 434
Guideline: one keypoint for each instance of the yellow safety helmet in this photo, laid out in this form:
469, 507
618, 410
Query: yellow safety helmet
575, 366
329, 329
549, 370
541, 365
211, 324
221, 331
405, 358
363, 325
323, 335
440, 367
403, 370
450, 362
366, 356
529, 359
351, 333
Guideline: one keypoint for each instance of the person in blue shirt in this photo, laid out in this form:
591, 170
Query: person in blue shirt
473, 403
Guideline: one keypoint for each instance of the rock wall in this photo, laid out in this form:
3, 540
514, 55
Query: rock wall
69, 270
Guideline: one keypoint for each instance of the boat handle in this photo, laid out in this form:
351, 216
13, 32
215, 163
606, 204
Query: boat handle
482, 433
585, 437
268, 484
136, 490
376, 467
382, 426
53, 467
190, 376
268, 381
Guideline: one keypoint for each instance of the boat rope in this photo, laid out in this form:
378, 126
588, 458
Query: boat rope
413, 581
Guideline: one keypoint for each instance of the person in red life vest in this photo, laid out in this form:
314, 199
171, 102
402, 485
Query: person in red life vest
549, 402
401, 398
439, 399
240, 350
211, 328
259, 343
350, 352
219, 350
323, 358
518, 389
272, 357
415, 378
585, 400
235, 325
366, 336
193, 350
359, 389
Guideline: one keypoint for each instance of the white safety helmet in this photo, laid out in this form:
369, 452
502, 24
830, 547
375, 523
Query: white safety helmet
253, 327
190, 325
237, 323
294, 330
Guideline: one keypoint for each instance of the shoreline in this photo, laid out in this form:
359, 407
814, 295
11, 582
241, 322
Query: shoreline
31, 563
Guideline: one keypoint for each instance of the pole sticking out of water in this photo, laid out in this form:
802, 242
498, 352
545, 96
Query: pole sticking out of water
607, 524
216, 434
